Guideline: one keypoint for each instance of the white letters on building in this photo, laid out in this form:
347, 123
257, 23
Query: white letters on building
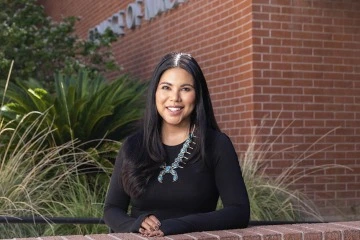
169, 4
117, 24
153, 8
132, 16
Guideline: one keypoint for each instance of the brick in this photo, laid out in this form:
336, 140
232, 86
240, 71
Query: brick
114, 236
75, 237
201, 236
286, 234
52, 238
336, 231
107, 237
245, 234
266, 233
308, 234
179, 237
224, 235
345, 195
26, 239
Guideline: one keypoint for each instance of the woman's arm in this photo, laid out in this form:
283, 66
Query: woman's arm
117, 203
232, 190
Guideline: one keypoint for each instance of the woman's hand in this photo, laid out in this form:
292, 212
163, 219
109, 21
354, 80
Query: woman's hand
146, 233
150, 227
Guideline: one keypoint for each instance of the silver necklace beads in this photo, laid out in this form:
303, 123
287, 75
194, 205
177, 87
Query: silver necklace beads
179, 159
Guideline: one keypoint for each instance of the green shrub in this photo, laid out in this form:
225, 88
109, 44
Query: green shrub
43, 175
41, 46
84, 107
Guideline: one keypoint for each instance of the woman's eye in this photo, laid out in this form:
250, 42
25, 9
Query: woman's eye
165, 87
187, 89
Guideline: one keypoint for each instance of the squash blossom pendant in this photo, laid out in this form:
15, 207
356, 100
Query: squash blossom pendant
179, 159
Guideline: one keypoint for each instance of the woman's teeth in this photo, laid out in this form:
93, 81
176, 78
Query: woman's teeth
174, 109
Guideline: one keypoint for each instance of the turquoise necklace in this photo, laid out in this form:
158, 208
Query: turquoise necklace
179, 159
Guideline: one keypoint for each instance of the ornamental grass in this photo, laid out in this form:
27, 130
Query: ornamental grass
41, 181
274, 198
38, 181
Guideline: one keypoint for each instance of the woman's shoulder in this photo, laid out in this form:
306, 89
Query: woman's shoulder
215, 136
217, 141
219, 146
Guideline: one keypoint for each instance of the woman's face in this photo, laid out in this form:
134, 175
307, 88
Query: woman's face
175, 97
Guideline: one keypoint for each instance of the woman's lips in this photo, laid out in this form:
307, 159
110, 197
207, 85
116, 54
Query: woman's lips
174, 109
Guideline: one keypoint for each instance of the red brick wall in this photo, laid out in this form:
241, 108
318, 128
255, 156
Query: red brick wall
295, 61
319, 231
307, 73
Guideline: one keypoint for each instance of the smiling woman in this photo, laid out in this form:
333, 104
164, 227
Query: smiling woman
175, 99
179, 136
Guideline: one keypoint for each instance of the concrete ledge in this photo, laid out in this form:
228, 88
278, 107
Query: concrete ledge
317, 231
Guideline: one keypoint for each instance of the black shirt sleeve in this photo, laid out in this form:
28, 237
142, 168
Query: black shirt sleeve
232, 190
117, 203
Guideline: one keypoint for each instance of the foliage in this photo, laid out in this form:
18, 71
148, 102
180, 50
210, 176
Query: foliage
83, 107
29, 167
84, 198
40, 46
25, 181
274, 198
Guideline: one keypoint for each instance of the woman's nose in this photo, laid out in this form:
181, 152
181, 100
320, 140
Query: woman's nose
175, 96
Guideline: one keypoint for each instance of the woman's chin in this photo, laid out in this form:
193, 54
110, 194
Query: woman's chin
176, 122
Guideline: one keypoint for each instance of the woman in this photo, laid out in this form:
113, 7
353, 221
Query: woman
172, 171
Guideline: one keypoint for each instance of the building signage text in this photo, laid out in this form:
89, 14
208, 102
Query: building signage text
131, 16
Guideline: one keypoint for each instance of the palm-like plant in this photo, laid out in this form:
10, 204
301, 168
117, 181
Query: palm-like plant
82, 107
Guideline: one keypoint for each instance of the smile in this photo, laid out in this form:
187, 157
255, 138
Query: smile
174, 109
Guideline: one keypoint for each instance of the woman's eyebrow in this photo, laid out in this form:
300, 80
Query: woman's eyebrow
187, 84
165, 83
183, 85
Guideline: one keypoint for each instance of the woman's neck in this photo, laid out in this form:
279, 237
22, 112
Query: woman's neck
174, 135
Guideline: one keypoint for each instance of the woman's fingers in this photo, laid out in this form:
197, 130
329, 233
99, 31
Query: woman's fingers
155, 220
146, 233
150, 227
151, 223
157, 233
146, 226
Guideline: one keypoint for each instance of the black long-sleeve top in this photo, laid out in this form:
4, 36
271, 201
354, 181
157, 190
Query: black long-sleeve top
187, 205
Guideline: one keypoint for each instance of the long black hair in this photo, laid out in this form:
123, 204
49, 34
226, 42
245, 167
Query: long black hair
143, 153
